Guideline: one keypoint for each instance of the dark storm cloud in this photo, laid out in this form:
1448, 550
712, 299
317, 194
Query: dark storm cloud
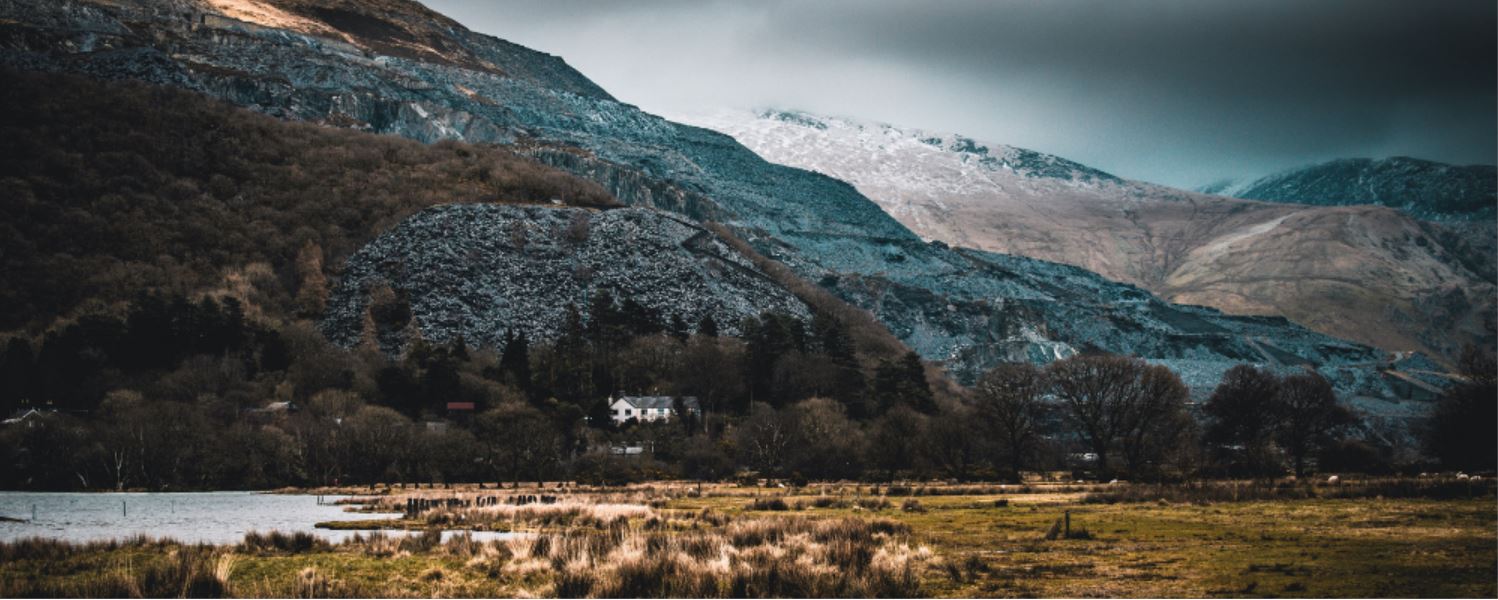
1179, 92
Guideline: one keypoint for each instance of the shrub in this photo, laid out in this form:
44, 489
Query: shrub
776, 504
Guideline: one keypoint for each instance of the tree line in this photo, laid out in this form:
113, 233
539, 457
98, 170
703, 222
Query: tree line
191, 394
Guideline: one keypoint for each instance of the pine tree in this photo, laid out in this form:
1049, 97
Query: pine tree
707, 326
678, 327
16, 368
640, 320
515, 363
903, 382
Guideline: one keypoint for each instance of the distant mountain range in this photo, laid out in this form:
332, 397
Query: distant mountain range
1420, 188
1366, 273
394, 67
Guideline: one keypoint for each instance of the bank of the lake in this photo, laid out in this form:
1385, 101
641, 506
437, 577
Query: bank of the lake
189, 517
1392, 537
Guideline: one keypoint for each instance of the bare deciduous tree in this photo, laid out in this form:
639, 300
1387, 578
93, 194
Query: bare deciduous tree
1011, 408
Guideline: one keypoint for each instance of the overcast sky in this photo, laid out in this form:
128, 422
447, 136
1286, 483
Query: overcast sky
1181, 92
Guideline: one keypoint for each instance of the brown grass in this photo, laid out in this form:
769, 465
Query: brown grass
1207, 492
167, 570
770, 557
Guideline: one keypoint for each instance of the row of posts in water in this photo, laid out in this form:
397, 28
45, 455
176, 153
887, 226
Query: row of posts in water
416, 506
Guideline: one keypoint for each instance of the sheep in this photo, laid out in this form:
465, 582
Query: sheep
1462, 476
1334, 480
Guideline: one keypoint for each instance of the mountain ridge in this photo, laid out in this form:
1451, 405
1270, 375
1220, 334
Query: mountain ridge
1423, 189
1387, 280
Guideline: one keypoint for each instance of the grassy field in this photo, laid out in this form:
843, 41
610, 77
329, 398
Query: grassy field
1405, 539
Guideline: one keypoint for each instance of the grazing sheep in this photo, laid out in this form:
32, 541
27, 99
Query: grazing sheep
1334, 480
1476, 478
1462, 476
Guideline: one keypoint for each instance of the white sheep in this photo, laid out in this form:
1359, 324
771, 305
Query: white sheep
1462, 476
1334, 480
1476, 478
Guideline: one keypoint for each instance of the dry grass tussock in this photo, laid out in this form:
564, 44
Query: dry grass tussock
768, 557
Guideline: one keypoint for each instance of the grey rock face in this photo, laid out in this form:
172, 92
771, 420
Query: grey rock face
476, 271
968, 309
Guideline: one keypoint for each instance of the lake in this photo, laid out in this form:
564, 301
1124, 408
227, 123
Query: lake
210, 517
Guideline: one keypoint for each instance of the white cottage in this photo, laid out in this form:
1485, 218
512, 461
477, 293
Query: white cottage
651, 408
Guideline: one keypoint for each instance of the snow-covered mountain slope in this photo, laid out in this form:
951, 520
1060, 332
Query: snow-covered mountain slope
1366, 273
1421, 188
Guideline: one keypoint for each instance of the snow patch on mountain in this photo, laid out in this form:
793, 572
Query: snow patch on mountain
922, 178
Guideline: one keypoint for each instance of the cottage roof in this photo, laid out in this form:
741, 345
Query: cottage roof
687, 402
25, 413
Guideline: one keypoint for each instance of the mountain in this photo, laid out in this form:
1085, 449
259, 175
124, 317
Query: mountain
1420, 188
391, 67
1365, 273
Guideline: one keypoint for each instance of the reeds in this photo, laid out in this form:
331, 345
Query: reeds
768, 557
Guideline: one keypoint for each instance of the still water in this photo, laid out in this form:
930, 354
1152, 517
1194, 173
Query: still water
209, 517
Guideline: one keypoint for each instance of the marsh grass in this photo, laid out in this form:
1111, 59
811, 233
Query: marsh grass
674, 542
1207, 492
275, 541
774, 504
871, 503
765, 557
136, 568
669, 553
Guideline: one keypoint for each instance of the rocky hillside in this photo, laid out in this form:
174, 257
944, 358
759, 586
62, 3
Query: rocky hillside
1363, 273
966, 309
1420, 188
480, 270
113, 188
